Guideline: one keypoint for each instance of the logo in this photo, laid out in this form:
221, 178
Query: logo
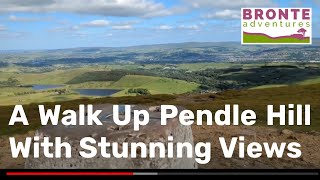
276, 26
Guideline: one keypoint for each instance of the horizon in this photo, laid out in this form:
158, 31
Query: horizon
139, 45
52, 24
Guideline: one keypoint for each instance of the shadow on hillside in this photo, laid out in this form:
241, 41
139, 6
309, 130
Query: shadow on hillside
266, 75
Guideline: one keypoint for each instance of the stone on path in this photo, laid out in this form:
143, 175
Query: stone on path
153, 132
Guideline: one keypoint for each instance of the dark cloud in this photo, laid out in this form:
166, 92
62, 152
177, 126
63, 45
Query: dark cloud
124, 8
229, 4
28, 2
226, 9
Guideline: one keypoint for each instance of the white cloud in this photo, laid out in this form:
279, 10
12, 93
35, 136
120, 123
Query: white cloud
122, 27
124, 8
120, 23
180, 27
164, 27
190, 27
75, 27
14, 18
71, 30
3, 28
97, 23
108, 35
225, 14
203, 23
229, 4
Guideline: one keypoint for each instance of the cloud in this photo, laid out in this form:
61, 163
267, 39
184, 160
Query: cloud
226, 9
6, 34
97, 23
127, 25
225, 14
3, 28
72, 28
79, 34
164, 27
121, 8
122, 27
181, 27
10, 35
228, 4
26, 3
190, 27
14, 18
133, 22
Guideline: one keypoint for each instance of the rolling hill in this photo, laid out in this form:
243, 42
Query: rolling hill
156, 85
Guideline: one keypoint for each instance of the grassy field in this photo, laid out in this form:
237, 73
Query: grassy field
269, 86
53, 77
310, 81
39, 98
315, 80
247, 38
133, 66
99, 79
203, 66
155, 85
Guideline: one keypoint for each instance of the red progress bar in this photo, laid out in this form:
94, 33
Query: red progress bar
70, 173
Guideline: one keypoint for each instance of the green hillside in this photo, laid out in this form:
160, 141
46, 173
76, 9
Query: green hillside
156, 85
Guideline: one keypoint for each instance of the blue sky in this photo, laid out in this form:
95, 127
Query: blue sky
53, 24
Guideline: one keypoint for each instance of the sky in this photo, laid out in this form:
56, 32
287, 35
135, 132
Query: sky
56, 24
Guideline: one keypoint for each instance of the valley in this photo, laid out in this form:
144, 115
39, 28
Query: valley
21, 86
196, 76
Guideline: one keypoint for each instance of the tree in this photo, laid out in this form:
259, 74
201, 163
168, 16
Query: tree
303, 31
139, 91
12, 81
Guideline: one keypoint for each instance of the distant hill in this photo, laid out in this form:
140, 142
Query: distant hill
315, 42
189, 52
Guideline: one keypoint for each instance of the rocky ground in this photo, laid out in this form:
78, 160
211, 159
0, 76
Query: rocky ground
6, 160
310, 147
309, 142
